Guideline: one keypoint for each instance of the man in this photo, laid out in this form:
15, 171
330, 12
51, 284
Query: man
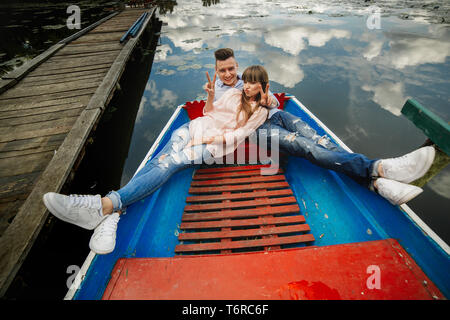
297, 138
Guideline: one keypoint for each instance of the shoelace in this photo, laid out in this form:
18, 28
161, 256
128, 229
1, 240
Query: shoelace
109, 226
84, 201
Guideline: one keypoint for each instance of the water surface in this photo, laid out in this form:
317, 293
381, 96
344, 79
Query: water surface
354, 78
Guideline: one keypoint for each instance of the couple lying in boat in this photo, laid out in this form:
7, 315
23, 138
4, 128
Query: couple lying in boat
236, 107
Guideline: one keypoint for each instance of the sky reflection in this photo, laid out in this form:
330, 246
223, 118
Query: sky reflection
354, 79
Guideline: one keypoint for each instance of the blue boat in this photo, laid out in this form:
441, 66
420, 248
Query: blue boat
341, 241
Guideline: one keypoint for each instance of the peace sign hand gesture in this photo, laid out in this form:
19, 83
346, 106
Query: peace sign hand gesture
265, 99
210, 87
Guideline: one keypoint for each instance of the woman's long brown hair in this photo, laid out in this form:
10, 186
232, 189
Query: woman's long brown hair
252, 74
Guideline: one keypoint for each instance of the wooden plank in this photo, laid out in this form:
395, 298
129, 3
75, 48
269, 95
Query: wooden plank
230, 168
88, 55
25, 164
239, 187
27, 104
222, 182
96, 38
13, 121
65, 70
13, 186
19, 92
63, 76
69, 82
240, 204
80, 49
243, 233
117, 28
90, 89
232, 174
244, 243
235, 196
75, 62
33, 130
32, 143
245, 213
40, 149
39, 111
242, 222
431, 124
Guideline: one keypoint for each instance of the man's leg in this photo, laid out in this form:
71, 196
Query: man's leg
356, 166
293, 123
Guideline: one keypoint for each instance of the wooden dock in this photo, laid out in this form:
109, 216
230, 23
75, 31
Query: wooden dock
48, 108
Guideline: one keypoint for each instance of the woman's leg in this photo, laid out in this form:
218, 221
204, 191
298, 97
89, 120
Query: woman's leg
157, 171
87, 211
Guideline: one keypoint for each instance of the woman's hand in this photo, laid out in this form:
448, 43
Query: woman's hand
265, 98
206, 140
213, 139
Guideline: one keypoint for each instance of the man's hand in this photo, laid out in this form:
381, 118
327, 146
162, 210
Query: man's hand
210, 86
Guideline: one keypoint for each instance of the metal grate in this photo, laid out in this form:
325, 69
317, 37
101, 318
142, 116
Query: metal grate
236, 209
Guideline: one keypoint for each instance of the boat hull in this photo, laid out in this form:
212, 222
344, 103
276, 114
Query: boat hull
338, 210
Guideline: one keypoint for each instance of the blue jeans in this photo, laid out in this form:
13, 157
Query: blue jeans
297, 138
157, 171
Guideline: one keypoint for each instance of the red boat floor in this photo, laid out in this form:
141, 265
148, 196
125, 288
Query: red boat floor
368, 270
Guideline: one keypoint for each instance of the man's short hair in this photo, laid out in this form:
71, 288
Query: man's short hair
224, 54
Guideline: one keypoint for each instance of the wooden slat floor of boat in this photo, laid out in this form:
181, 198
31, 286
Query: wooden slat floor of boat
239, 187
39, 111
232, 174
219, 182
236, 209
241, 213
260, 221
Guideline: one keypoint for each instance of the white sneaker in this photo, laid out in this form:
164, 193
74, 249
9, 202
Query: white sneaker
396, 192
103, 240
83, 211
409, 167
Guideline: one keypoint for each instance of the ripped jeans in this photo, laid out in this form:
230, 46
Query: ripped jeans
172, 158
298, 139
